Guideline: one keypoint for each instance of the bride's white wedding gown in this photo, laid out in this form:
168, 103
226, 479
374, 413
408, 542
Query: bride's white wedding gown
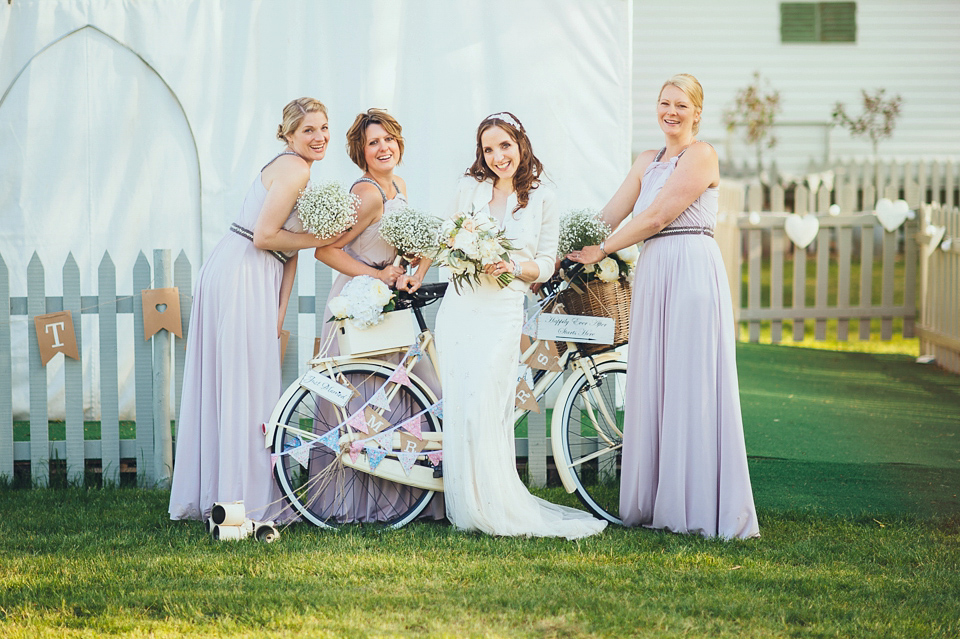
478, 343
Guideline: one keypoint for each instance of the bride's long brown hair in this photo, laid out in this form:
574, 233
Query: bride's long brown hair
527, 177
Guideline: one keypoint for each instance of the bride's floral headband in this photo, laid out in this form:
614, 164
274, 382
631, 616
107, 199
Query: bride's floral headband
506, 117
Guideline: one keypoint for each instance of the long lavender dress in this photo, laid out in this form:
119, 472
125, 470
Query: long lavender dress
232, 377
684, 464
366, 497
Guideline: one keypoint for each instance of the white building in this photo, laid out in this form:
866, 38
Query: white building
908, 48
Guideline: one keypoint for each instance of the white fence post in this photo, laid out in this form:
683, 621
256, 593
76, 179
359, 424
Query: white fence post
162, 439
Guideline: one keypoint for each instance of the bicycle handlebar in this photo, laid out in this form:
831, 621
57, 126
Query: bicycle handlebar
426, 294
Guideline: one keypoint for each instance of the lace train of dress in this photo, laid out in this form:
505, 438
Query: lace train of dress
478, 339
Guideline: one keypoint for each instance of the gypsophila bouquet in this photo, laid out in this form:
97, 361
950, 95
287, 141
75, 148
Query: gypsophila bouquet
327, 209
467, 243
363, 301
585, 227
412, 232
579, 228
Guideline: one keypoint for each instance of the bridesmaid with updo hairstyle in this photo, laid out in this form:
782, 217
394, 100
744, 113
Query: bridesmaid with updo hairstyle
232, 374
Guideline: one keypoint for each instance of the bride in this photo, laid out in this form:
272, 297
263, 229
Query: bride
478, 341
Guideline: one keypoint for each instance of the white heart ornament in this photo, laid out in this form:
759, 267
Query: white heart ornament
891, 215
946, 245
802, 230
936, 235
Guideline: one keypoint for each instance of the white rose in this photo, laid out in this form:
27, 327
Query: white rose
629, 254
467, 242
609, 271
338, 307
489, 251
381, 293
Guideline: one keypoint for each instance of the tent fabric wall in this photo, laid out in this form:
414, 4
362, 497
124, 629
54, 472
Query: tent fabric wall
129, 126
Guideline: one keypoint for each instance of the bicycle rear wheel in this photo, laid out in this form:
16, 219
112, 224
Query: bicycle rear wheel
328, 492
591, 437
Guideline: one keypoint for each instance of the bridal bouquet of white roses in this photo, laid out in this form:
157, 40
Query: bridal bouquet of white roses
585, 227
327, 209
410, 231
467, 243
363, 301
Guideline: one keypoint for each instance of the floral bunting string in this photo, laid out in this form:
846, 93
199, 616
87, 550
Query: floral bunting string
301, 454
413, 427
385, 439
437, 410
356, 421
406, 461
435, 457
331, 439
374, 456
380, 399
400, 376
355, 448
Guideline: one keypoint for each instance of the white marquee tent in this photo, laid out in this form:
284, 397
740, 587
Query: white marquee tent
137, 125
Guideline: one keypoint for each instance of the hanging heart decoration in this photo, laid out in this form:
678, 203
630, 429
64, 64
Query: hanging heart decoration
802, 230
936, 234
891, 214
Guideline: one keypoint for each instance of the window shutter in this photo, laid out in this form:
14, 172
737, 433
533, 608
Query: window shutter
798, 22
818, 22
838, 22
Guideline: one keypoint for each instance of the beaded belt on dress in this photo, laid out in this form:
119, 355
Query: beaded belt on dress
683, 230
247, 233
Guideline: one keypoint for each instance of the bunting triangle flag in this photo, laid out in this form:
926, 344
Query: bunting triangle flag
407, 460
355, 449
530, 326
410, 444
273, 461
415, 349
357, 421
331, 439
435, 457
380, 399
413, 427
437, 410
374, 456
400, 376
301, 454
385, 440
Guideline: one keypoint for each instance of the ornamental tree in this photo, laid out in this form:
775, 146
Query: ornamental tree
877, 121
754, 108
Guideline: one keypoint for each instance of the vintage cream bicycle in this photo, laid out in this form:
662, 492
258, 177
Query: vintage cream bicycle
358, 438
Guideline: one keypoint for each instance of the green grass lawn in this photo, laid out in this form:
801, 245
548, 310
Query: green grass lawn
86, 563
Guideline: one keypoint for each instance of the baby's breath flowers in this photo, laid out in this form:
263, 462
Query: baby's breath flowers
579, 228
585, 227
410, 231
327, 209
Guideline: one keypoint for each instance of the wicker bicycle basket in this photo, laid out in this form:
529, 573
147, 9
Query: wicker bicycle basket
599, 299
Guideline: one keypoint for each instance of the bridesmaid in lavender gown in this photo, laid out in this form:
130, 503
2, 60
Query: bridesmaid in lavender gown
684, 465
232, 373
375, 144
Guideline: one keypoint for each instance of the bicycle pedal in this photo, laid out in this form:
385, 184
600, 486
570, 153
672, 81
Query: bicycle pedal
438, 471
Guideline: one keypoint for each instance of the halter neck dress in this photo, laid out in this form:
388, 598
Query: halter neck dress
356, 506
684, 465
231, 377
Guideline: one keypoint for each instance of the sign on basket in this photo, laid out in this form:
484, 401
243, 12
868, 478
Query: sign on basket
575, 328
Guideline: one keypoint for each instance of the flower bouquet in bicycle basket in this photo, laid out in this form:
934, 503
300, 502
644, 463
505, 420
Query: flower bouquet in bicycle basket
366, 324
599, 290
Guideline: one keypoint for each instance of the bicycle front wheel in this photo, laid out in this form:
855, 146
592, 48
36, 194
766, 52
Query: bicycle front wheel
590, 425
327, 491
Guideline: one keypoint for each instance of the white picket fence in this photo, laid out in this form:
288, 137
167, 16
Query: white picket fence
158, 373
